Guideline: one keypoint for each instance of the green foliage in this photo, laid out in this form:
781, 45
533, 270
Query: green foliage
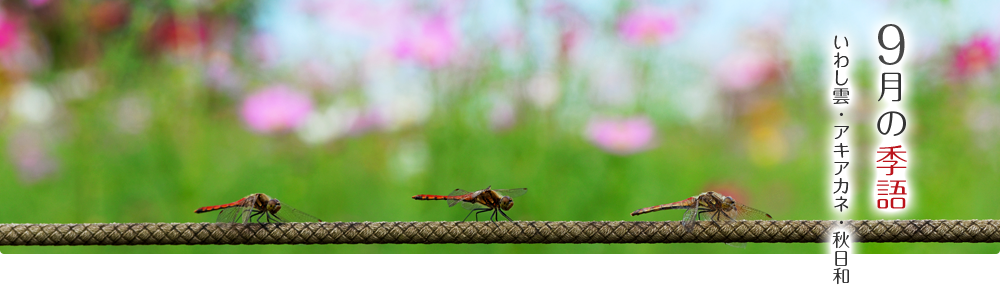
194, 154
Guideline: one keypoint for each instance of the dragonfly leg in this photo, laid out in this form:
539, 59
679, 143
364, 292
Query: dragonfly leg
504, 215
728, 217
264, 217
477, 213
255, 214
701, 211
493, 217
481, 210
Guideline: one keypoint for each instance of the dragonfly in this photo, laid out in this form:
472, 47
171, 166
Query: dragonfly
710, 206
258, 208
481, 201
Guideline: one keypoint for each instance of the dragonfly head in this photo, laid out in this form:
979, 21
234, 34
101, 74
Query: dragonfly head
728, 202
273, 206
506, 203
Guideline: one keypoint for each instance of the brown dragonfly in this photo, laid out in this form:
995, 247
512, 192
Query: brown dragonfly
711, 206
258, 208
481, 201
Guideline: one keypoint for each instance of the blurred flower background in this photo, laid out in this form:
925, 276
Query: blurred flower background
123, 111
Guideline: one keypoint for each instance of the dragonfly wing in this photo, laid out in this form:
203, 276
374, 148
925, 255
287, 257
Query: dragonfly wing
743, 212
512, 192
464, 198
237, 214
691, 213
458, 192
459, 200
725, 216
288, 214
233, 215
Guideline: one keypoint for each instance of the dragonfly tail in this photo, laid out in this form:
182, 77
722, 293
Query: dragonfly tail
430, 197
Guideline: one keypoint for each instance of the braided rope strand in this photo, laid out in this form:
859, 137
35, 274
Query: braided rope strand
496, 232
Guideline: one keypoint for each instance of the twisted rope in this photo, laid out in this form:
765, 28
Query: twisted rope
500, 232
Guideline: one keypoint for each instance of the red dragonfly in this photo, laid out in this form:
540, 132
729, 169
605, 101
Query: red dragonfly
711, 206
258, 208
480, 201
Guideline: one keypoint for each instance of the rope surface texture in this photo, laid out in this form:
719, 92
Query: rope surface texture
497, 232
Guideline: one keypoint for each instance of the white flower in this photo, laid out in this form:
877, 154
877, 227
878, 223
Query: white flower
32, 103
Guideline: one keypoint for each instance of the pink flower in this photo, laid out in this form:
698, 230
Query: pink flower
28, 153
622, 136
572, 25
8, 32
647, 25
746, 71
220, 73
367, 120
510, 39
433, 44
276, 108
38, 3
976, 56
502, 116
264, 48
